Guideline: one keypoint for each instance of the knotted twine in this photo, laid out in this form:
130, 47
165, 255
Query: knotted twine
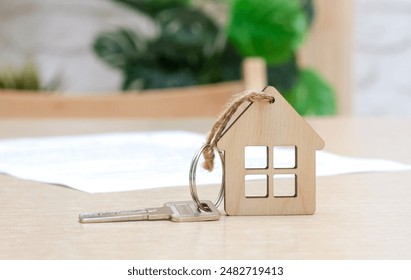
222, 121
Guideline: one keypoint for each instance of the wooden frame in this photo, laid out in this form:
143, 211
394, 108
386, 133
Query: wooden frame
197, 101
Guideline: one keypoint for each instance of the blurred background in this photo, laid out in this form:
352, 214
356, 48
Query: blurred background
92, 47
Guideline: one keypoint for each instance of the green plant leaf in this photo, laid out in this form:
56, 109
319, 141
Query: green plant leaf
29, 77
269, 29
283, 76
153, 7
189, 41
184, 53
26, 78
231, 63
119, 48
188, 36
312, 95
309, 10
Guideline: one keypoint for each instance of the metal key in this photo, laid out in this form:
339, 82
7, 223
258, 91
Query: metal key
182, 211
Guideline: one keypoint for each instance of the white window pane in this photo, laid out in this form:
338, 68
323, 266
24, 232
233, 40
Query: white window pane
285, 185
256, 185
285, 157
255, 157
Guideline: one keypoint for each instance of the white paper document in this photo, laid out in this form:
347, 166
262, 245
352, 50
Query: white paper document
132, 161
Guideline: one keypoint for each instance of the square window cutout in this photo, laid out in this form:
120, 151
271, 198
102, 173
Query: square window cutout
285, 185
256, 157
256, 186
285, 157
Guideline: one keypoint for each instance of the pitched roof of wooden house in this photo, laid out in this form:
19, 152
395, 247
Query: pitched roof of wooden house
270, 125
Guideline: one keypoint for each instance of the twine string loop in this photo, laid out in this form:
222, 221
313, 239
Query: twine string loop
221, 123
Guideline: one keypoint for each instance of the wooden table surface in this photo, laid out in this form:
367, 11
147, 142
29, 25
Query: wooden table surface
359, 216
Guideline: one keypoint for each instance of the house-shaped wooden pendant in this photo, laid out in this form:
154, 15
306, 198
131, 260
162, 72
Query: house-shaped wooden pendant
281, 187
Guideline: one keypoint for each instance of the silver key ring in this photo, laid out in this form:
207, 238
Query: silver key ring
192, 179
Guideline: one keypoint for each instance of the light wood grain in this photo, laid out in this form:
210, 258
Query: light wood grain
362, 216
254, 73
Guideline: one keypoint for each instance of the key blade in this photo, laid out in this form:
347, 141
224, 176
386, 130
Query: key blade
116, 216
187, 211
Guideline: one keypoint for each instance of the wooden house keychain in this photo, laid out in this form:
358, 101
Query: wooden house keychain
262, 122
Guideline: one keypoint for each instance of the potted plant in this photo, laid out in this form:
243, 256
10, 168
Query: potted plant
193, 46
